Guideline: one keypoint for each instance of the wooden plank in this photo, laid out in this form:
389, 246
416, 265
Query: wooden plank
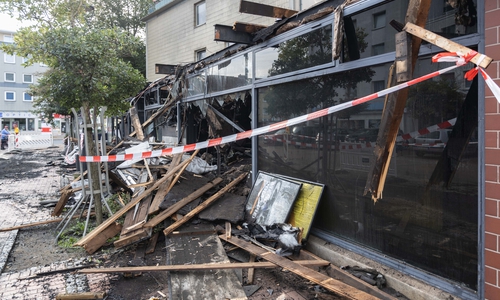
141, 216
204, 205
174, 208
194, 267
132, 216
37, 223
251, 271
152, 243
135, 237
327, 282
164, 188
66, 194
445, 43
97, 242
136, 123
247, 27
77, 296
394, 106
265, 10
131, 204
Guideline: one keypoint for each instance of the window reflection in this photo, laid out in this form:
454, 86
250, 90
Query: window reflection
428, 213
236, 72
308, 50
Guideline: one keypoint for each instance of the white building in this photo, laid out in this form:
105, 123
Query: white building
16, 103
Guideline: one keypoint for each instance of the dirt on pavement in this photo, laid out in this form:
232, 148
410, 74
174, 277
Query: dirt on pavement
35, 246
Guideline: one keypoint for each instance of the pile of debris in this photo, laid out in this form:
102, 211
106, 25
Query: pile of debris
202, 213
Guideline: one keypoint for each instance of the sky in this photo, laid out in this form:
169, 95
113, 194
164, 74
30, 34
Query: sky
7, 23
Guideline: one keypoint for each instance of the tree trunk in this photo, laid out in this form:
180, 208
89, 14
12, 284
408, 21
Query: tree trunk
94, 168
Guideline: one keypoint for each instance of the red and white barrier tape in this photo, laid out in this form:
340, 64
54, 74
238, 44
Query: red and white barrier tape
272, 127
427, 130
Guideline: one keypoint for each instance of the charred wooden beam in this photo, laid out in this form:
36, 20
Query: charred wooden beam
247, 27
204, 205
392, 114
419, 32
86, 239
136, 123
333, 285
193, 267
224, 33
265, 10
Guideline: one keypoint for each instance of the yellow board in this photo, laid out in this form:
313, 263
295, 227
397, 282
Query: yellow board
304, 208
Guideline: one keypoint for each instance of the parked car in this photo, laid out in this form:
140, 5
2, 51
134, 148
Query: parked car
305, 134
363, 135
338, 134
275, 138
431, 143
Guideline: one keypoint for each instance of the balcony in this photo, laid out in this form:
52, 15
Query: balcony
158, 4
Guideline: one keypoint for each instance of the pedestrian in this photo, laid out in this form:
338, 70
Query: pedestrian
16, 129
5, 137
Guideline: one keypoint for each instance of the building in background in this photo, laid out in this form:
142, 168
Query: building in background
182, 31
16, 103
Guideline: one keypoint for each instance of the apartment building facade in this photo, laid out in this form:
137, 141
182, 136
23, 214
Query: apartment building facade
179, 32
445, 235
16, 103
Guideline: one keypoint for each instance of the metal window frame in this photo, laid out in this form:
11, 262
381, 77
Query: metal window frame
476, 39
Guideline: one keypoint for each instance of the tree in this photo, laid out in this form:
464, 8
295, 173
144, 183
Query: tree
434, 101
312, 49
86, 63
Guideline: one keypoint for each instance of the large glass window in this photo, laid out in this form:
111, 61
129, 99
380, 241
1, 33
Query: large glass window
233, 73
428, 214
308, 50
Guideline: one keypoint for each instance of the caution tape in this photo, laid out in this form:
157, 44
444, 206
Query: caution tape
268, 128
412, 135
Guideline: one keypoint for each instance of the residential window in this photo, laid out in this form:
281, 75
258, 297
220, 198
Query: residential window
201, 13
27, 97
378, 49
8, 39
379, 20
28, 78
10, 77
10, 59
200, 54
10, 96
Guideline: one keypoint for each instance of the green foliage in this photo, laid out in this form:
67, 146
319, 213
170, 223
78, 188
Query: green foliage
434, 101
72, 235
89, 56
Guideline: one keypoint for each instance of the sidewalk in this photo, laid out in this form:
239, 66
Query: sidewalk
19, 204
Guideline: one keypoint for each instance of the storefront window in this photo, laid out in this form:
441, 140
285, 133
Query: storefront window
233, 73
427, 216
308, 50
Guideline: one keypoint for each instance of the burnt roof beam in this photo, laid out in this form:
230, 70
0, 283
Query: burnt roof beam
265, 10
224, 33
